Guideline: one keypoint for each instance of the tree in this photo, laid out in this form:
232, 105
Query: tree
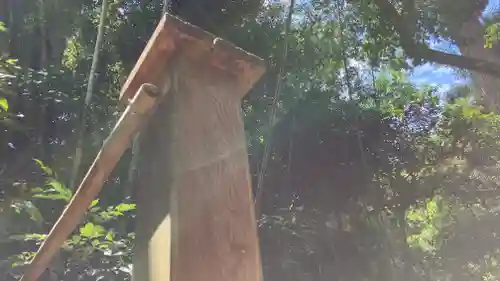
406, 25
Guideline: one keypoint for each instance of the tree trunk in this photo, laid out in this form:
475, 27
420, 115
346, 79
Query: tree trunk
473, 46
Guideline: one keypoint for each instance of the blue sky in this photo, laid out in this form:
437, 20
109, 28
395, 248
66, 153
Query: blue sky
443, 77
432, 74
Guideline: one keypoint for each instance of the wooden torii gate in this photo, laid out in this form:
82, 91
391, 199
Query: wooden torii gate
195, 216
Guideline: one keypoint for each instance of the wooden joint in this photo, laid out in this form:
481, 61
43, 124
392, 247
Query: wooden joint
151, 90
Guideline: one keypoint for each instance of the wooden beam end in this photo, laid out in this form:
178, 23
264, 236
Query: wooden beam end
174, 37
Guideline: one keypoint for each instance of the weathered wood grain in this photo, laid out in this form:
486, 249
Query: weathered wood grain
118, 141
173, 34
195, 218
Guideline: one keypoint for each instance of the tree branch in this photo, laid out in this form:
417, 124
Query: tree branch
422, 51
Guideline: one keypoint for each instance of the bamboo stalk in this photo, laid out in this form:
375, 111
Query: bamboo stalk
138, 111
80, 130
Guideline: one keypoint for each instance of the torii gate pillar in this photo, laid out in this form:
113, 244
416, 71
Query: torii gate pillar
195, 219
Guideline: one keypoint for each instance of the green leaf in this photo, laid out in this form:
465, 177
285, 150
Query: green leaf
76, 239
4, 105
415, 216
124, 207
110, 236
29, 237
95, 202
432, 208
2, 27
106, 215
11, 61
60, 189
104, 245
42, 166
91, 230
50, 196
33, 212
95, 242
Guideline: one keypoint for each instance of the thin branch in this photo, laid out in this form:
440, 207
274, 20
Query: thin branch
422, 51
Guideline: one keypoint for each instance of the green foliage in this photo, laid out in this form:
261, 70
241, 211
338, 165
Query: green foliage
53, 189
427, 222
396, 92
45, 169
29, 208
90, 230
2, 27
73, 54
90, 241
492, 34
4, 105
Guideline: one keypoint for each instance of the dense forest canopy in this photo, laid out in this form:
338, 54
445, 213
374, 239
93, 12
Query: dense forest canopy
370, 176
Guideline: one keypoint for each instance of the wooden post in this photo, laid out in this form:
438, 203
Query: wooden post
195, 218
